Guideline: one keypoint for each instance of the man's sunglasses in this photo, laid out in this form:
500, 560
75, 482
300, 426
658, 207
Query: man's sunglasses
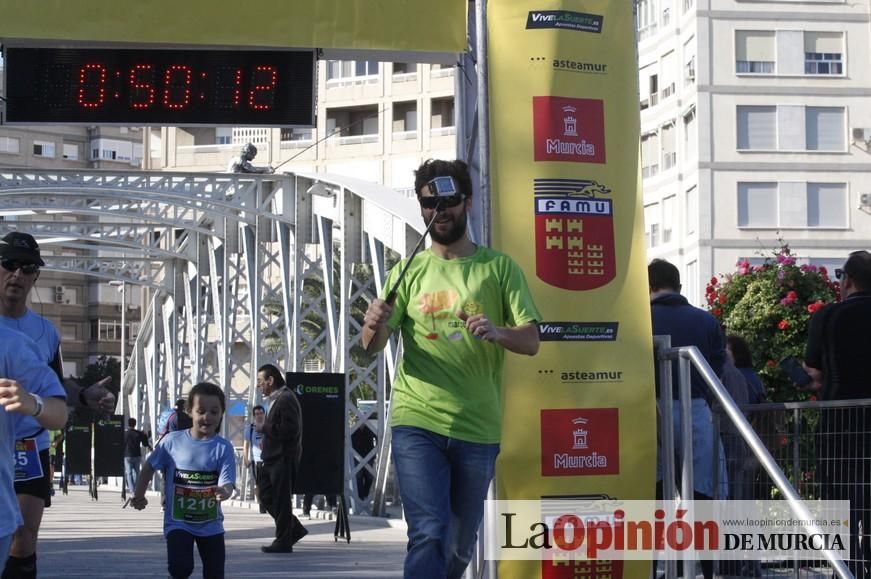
442, 202
13, 266
840, 273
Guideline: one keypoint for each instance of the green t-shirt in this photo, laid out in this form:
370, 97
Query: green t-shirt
448, 381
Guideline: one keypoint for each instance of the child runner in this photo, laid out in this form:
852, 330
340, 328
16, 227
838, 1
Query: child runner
199, 470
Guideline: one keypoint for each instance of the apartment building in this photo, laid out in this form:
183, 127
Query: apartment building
756, 125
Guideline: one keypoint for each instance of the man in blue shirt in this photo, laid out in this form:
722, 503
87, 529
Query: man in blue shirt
28, 389
689, 326
20, 261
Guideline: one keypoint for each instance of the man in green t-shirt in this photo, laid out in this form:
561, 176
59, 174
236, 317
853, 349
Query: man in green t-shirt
458, 308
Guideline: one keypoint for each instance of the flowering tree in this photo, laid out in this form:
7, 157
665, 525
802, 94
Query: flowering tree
770, 306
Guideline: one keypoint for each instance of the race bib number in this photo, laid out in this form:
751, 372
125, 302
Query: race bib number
194, 498
27, 463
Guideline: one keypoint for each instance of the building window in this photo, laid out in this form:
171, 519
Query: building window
349, 69
692, 210
823, 53
404, 119
296, 134
442, 113
353, 125
689, 133
757, 204
669, 147
757, 128
654, 89
649, 155
43, 149
71, 152
668, 218
792, 204
689, 71
404, 67
651, 224
754, 52
10, 145
825, 129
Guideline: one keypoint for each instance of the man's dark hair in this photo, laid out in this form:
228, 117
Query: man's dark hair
662, 275
740, 351
271, 371
256, 408
181, 405
433, 168
207, 389
131, 422
858, 267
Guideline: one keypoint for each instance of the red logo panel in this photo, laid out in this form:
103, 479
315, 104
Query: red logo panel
567, 129
580, 442
571, 569
574, 242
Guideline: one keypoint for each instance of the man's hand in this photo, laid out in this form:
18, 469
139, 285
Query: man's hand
98, 398
224, 492
816, 375
480, 326
14, 398
377, 314
376, 333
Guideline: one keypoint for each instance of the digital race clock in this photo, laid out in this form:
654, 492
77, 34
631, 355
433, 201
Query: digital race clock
99, 86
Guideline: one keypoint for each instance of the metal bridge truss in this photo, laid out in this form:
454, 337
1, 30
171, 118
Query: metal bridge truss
240, 271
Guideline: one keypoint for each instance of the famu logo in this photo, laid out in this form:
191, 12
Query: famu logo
566, 19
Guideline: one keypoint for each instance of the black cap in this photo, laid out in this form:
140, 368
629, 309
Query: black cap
20, 247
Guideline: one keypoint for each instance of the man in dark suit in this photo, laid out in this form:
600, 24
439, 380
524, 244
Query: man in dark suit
282, 449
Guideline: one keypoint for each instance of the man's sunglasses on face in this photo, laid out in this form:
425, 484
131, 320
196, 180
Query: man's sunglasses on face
12, 266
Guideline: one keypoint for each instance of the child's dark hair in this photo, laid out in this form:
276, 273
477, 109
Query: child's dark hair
206, 389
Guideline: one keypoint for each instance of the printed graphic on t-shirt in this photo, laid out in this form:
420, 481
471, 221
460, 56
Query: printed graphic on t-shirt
193, 498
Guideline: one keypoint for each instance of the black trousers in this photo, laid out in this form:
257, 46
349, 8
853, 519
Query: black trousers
276, 482
180, 554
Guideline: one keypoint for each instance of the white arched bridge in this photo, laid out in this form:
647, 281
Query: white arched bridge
241, 270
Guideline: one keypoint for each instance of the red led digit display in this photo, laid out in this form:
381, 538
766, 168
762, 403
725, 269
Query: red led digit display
159, 87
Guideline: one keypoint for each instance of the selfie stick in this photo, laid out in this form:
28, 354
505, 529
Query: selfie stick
391, 296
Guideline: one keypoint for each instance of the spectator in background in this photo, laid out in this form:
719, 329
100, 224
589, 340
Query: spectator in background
282, 450
252, 447
363, 441
836, 357
180, 419
690, 326
739, 352
134, 440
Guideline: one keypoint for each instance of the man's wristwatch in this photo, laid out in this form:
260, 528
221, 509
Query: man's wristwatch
39, 405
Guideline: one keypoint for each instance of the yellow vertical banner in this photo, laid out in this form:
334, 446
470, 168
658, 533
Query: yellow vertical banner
579, 418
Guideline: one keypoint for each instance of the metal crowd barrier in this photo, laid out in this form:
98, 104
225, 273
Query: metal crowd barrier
823, 448
738, 427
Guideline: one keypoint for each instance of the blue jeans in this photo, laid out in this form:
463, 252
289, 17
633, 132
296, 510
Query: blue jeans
443, 484
131, 472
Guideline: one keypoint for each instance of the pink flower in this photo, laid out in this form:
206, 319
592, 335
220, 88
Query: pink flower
771, 363
783, 324
814, 307
789, 299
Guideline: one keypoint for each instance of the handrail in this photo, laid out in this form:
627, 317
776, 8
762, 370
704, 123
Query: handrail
692, 355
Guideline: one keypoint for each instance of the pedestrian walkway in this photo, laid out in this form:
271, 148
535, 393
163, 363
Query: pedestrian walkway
98, 539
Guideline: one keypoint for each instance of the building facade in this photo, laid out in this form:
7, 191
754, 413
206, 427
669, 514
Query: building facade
756, 127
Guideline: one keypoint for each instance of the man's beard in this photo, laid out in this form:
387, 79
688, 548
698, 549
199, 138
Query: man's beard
455, 232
